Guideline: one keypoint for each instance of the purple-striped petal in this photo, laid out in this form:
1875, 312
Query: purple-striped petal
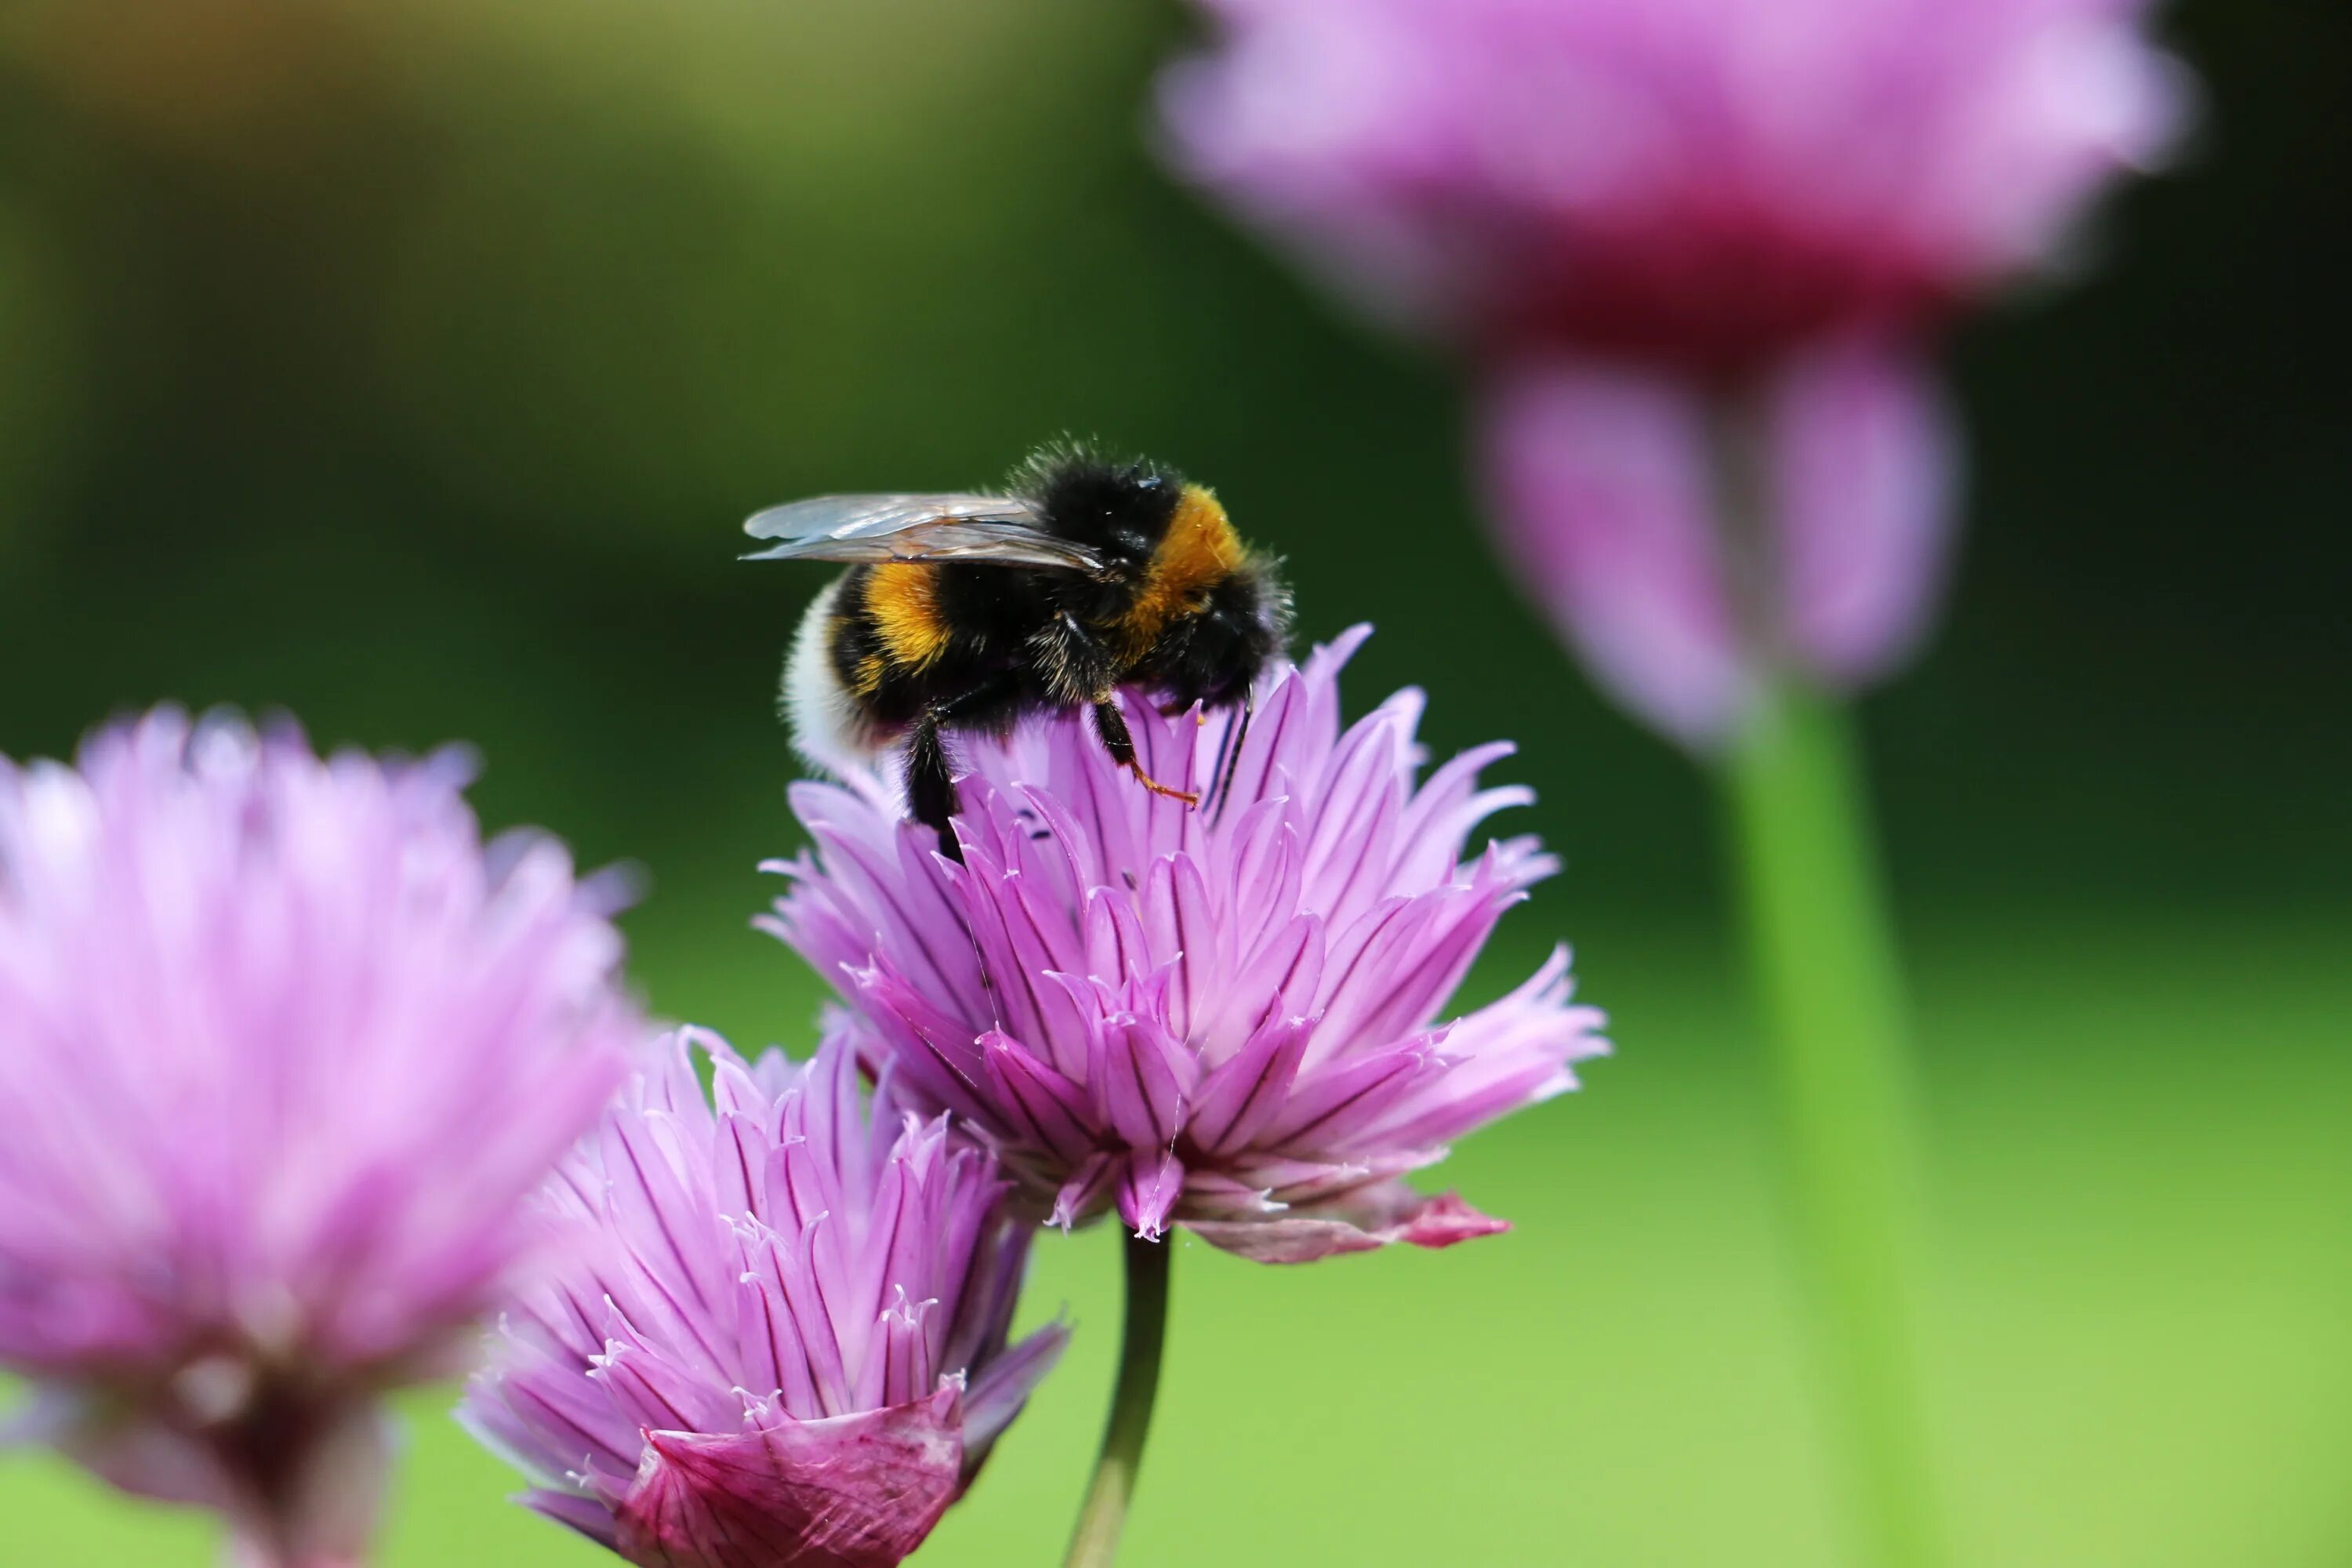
1302, 1238
1148, 1190
998, 1393
1242, 1097
1047, 1109
1161, 1006
284, 1050
805, 1291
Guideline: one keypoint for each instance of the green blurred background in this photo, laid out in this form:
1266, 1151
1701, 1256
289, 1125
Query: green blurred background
408, 364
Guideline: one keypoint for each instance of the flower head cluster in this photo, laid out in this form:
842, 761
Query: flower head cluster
1708, 181
282, 1053
1223, 1018
775, 1333
1693, 248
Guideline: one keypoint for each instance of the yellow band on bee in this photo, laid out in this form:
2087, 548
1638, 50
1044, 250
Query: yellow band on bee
1199, 550
903, 600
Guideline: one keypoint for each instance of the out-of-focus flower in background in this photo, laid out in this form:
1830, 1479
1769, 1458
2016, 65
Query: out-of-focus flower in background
1695, 254
1608, 479
1225, 1018
283, 1050
1638, 218
776, 1333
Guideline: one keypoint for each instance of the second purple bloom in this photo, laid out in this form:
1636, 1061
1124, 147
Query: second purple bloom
774, 1332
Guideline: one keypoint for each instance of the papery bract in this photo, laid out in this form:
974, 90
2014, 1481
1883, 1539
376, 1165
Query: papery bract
283, 1052
1225, 1017
775, 1334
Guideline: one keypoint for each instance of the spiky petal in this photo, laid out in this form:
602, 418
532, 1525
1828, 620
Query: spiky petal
282, 1053
776, 1330
1226, 1018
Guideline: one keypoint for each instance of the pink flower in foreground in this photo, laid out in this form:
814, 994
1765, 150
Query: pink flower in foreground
281, 1056
776, 1334
1670, 232
1223, 1017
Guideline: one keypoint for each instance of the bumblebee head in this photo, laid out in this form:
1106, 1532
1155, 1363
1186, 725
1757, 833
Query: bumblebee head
1215, 654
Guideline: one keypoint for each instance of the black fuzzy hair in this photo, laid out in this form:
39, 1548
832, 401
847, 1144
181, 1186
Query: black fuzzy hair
1068, 457
1087, 493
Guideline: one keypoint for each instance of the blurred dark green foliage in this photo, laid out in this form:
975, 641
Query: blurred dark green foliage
409, 364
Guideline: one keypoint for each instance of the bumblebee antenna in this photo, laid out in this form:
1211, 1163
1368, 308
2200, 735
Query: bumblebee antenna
1229, 754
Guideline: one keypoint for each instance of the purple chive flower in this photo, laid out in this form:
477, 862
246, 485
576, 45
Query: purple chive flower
1606, 480
1631, 214
1223, 1017
1706, 182
283, 1052
776, 1334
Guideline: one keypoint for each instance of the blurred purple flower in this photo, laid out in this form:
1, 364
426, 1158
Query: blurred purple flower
281, 1055
1629, 211
776, 1335
1607, 484
1709, 182
1222, 1017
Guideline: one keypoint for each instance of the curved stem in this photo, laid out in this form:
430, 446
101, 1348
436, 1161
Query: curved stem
1823, 953
1094, 1542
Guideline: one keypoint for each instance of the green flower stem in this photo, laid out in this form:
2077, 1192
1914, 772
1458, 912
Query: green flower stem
1094, 1542
1825, 960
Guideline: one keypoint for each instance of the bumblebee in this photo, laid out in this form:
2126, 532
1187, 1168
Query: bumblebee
968, 612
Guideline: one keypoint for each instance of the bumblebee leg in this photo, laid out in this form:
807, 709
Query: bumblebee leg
1111, 725
990, 707
930, 784
1229, 755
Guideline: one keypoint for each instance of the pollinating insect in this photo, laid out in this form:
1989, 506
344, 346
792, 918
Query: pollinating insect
968, 612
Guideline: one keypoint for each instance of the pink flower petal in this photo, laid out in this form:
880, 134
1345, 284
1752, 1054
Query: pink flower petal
1255, 980
1599, 478
1368, 1223
757, 1326
1864, 480
1148, 1192
1608, 486
1700, 183
284, 1050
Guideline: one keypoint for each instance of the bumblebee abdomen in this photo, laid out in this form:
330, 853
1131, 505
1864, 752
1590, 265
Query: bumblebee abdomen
885, 643
830, 723
901, 602
867, 659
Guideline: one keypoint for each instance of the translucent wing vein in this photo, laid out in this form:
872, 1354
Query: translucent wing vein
999, 530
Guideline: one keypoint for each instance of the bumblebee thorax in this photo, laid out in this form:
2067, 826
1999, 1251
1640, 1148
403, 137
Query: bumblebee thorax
1197, 551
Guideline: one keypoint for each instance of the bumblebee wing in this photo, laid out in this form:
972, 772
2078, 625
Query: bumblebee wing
1003, 529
